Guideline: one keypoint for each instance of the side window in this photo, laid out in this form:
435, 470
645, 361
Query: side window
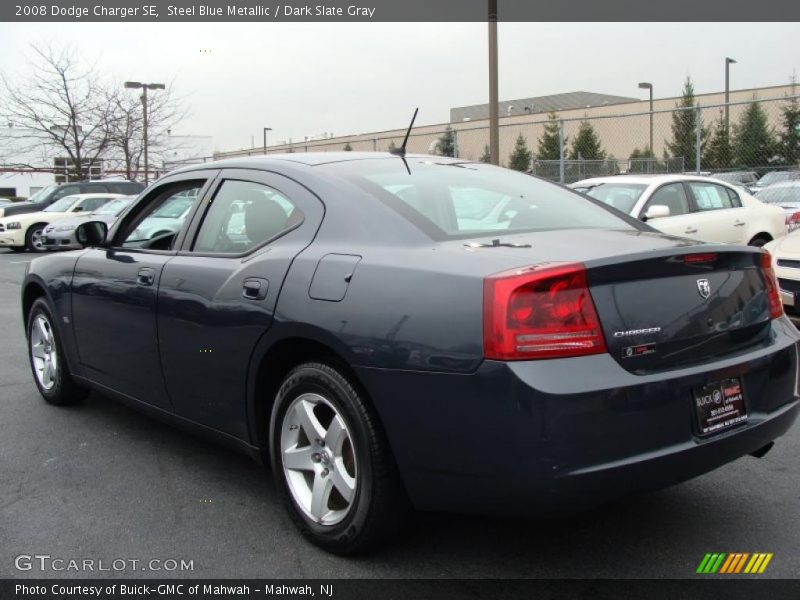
65, 190
244, 215
161, 218
672, 196
710, 196
93, 188
735, 200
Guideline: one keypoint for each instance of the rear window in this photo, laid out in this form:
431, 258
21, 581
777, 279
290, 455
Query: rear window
779, 194
459, 200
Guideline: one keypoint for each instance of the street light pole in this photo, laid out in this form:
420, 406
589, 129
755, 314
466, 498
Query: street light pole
728, 62
136, 85
494, 117
649, 86
266, 129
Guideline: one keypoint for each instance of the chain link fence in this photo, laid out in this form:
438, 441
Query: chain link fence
744, 139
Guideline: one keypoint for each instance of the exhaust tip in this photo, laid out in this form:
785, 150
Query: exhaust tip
763, 450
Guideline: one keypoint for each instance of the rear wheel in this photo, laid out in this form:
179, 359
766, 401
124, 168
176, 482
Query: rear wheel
331, 462
33, 238
759, 241
50, 372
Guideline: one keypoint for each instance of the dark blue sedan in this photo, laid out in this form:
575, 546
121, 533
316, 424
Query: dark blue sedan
420, 332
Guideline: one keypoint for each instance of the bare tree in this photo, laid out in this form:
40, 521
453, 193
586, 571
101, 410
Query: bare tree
63, 107
126, 140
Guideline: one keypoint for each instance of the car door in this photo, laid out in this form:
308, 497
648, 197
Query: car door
682, 219
114, 295
217, 297
717, 216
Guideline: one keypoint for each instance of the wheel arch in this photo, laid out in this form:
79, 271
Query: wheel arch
32, 290
762, 235
274, 357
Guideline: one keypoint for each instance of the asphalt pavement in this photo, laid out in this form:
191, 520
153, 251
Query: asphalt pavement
101, 482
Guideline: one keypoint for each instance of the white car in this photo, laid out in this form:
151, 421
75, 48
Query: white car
689, 206
21, 232
786, 262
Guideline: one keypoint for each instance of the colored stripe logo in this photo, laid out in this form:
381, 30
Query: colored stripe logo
735, 562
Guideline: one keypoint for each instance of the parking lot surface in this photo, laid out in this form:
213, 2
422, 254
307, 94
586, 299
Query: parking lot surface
102, 482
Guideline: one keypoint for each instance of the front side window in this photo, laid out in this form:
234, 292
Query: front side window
459, 200
63, 205
114, 207
709, 196
672, 196
244, 215
66, 190
91, 204
163, 216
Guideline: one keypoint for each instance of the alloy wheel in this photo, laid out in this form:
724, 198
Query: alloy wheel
318, 458
43, 352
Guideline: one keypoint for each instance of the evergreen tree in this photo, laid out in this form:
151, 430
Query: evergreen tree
754, 142
684, 124
789, 138
486, 157
520, 158
348, 147
586, 145
719, 154
637, 165
548, 143
446, 145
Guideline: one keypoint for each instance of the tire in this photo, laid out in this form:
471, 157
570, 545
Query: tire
363, 502
17, 248
33, 238
758, 242
44, 348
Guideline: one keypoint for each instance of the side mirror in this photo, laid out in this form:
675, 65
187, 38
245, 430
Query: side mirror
91, 234
657, 211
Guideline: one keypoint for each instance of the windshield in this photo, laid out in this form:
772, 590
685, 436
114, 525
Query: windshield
777, 177
780, 194
114, 207
42, 193
173, 208
62, 205
456, 200
622, 196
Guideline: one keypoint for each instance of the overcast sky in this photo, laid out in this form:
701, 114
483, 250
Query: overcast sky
304, 79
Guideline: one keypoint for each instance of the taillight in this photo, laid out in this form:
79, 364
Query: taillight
694, 259
771, 281
793, 221
540, 312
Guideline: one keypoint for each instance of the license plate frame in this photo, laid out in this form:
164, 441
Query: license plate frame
719, 406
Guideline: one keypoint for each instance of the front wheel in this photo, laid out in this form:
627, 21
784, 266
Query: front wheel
33, 238
331, 463
50, 372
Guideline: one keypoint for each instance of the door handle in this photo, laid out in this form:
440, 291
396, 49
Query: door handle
146, 276
691, 230
255, 288
739, 224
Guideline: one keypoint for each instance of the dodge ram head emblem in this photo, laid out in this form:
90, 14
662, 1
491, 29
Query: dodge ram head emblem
704, 288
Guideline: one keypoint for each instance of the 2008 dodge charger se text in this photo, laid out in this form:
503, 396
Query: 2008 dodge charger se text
394, 332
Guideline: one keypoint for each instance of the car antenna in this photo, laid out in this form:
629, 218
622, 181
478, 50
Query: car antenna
401, 151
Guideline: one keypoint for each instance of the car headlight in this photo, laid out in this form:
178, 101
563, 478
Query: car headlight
13, 225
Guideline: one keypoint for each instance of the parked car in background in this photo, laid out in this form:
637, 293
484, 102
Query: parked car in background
61, 234
383, 344
164, 221
46, 196
787, 196
740, 178
786, 262
24, 232
690, 206
5, 201
772, 178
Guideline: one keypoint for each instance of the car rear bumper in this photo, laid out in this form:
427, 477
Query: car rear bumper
524, 437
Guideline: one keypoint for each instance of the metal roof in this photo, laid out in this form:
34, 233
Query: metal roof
540, 104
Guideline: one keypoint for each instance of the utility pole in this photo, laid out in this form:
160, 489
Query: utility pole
135, 85
494, 118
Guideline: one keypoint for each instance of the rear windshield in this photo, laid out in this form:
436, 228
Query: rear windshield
459, 200
622, 196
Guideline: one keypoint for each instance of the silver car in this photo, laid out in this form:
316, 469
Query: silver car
61, 235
